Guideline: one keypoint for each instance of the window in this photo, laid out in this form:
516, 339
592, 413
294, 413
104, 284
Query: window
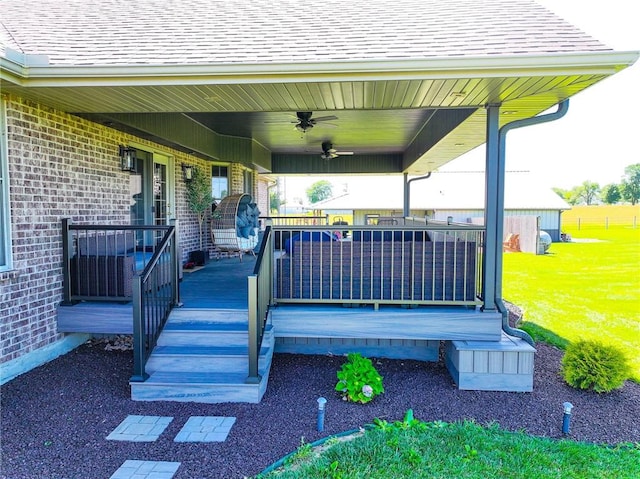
219, 182
5, 219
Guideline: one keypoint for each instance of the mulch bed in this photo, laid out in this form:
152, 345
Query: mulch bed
55, 418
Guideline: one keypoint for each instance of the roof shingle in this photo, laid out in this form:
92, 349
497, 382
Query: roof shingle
181, 32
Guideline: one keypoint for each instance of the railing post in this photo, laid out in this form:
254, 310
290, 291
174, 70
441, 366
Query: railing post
139, 354
67, 244
177, 264
254, 347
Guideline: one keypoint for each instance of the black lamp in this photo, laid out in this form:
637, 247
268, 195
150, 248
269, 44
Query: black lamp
187, 172
127, 158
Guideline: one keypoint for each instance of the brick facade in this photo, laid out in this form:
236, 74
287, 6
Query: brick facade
61, 166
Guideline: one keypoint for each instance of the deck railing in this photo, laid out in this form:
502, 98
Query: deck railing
296, 220
260, 298
417, 263
155, 293
101, 261
124, 263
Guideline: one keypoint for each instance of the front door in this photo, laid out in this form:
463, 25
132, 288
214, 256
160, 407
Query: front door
152, 190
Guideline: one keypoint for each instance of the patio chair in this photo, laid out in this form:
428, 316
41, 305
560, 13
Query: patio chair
234, 227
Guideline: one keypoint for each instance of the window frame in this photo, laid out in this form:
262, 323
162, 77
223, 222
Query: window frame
214, 176
6, 256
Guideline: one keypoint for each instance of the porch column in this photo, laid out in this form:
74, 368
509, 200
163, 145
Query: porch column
493, 212
405, 203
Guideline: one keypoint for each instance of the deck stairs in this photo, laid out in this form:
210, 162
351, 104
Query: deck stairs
202, 356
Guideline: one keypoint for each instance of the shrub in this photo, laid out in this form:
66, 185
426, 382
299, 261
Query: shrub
593, 365
358, 380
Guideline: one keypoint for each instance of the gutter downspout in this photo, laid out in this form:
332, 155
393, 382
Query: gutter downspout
407, 183
563, 107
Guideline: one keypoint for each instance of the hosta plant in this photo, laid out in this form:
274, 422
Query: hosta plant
593, 365
358, 379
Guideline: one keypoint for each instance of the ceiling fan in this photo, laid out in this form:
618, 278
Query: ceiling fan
304, 122
329, 152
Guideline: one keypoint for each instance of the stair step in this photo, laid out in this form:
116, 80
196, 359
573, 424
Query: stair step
220, 351
208, 334
199, 387
196, 377
202, 356
203, 359
207, 325
217, 315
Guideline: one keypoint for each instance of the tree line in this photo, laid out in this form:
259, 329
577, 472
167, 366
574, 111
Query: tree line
591, 193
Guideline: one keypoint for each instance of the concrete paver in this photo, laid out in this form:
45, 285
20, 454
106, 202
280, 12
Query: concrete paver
132, 469
140, 428
205, 429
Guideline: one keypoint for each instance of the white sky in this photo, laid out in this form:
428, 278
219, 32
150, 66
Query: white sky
598, 136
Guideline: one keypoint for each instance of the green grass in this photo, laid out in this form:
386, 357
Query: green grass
462, 450
578, 290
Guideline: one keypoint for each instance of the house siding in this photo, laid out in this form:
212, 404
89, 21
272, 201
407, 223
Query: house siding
61, 166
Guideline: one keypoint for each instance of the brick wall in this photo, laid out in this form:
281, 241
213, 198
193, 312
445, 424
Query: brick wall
62, 166
262, 195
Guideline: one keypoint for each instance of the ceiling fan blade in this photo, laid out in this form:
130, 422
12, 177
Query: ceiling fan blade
325, 118
281, 121
343, 153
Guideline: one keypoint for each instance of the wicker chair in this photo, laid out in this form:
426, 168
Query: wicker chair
234, 227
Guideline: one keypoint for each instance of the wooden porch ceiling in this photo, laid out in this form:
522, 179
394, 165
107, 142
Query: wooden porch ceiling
396, 114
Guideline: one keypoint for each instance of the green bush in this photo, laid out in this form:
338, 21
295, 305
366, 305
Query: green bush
358, 380
593, 365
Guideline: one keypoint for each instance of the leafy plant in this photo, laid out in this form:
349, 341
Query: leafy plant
409, 422
199, 197
469, 453
593, 365
304, 451
358, 380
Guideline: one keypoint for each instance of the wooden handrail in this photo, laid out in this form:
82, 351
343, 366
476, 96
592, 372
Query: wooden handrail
260, 296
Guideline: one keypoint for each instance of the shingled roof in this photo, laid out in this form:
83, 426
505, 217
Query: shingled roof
407, 81
187, 32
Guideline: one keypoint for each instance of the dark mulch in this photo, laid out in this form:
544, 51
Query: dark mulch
56, 417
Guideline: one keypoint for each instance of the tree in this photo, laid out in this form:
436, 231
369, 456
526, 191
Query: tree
199, 197
586, 193
564, 194
610, 194
320, 190
275, 201
631, 184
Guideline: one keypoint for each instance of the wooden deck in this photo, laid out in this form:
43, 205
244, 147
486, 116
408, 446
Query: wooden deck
386, 322
390, 332
96, 318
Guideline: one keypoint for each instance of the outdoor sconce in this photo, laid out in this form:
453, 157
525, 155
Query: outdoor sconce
187, 172
127, 158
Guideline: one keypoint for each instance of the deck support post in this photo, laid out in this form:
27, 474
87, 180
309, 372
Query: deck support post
254, 346
67, 252
493, 212
139, 334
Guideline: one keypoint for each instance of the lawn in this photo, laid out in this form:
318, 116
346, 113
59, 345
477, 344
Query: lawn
411, 449
586, 289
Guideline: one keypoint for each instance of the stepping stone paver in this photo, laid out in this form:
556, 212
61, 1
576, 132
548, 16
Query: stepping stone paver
205, 429
146, 470
140, 428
